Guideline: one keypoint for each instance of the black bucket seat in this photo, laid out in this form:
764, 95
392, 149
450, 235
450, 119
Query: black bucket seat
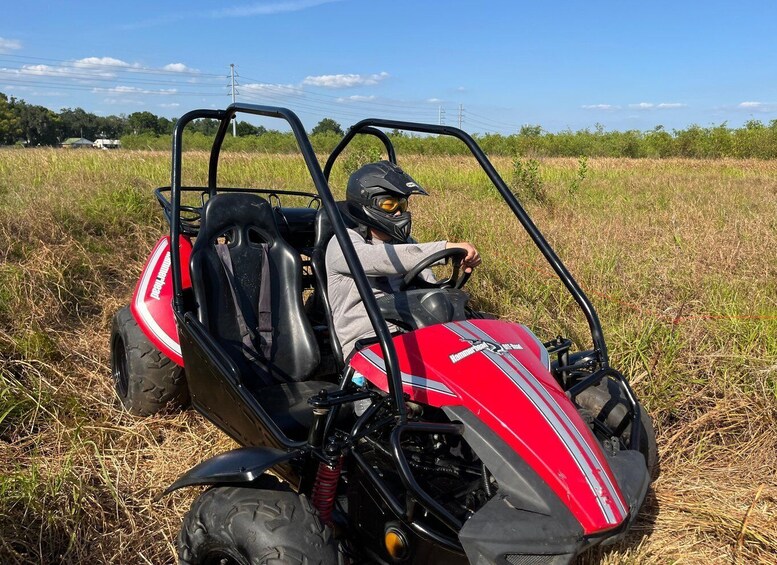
278, 379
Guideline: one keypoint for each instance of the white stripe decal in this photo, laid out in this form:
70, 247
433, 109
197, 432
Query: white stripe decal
412, 380
600, 473
142, 309
561, 424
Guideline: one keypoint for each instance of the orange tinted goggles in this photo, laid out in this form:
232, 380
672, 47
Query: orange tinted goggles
390, 204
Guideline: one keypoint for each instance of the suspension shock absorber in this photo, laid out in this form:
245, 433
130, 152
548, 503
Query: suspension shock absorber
325, 488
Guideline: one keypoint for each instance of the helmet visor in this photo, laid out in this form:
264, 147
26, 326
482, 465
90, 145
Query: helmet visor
390, 204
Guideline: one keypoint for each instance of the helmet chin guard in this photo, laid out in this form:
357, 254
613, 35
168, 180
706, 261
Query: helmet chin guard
397, 226
377, 179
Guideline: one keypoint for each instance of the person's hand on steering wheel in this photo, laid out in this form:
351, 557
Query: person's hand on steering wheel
471, 260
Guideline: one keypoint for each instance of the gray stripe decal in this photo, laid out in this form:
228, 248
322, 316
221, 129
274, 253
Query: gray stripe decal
538, 401
604, 479
536, 395
412, 380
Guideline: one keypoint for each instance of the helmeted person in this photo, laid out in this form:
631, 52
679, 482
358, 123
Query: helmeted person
377, 199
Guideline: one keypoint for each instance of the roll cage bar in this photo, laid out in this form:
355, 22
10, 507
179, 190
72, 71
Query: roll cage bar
370, 125
320, 180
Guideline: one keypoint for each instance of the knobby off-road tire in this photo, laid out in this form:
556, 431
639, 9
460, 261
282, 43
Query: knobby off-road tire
246, 526
146, 381
607, 403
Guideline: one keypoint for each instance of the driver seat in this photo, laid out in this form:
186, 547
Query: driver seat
324, 232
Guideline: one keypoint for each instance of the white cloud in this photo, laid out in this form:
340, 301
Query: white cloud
269, 90
7, 45
122, 101
171, 105
268, 8
136, 90
661, 106
104, 67
434, 100
178, 68
356, 98
752, 106
247, 10
600, 107
345, 80
90, 62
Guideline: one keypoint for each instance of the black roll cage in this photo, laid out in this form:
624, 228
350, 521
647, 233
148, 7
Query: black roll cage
320, 179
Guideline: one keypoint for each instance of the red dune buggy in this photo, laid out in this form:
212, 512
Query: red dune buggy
479, 443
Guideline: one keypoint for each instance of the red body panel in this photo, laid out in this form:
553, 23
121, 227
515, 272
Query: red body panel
500, 372
152, 303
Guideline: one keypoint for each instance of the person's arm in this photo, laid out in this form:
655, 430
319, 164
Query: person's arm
383, 260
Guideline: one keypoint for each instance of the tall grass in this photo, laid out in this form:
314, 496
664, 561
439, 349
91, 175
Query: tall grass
676, 255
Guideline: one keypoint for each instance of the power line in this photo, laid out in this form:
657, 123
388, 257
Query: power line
100, 64
94, 89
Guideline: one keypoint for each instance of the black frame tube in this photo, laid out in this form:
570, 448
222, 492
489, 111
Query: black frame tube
328, 201
392, 155
369, 125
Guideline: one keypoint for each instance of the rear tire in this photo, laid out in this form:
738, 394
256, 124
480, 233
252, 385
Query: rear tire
607, 404
146, 381
246, 526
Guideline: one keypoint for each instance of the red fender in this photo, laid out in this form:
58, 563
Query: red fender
152, 303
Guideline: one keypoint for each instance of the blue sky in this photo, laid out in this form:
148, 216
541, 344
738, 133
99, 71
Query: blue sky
624, 65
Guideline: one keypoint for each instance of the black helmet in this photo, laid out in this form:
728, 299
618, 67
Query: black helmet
371, 182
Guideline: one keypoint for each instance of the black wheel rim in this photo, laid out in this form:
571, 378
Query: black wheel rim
119, 364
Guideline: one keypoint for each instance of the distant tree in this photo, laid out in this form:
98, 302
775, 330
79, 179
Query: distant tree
165, 126
39, 125
530, 130
205, 126
10, 126
142, 122
244, 129
111, 127
77, 123
327, 125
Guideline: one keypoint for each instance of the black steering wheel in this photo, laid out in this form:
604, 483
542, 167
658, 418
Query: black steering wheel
454, 281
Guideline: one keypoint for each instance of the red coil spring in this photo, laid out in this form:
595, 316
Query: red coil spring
325, 489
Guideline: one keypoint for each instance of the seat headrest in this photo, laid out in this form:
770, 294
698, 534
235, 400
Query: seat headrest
324, 229
225, 211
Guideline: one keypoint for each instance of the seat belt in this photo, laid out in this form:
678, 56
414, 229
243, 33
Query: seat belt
264, 327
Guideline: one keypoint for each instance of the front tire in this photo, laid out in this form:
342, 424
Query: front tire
245, 526
146, 381
607, 404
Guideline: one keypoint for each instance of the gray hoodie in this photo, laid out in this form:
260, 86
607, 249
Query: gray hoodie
385, 264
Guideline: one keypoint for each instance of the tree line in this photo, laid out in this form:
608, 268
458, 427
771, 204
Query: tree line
30, 125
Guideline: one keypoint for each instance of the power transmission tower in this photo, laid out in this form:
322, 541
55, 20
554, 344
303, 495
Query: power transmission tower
461, 114
234, 119
440, 115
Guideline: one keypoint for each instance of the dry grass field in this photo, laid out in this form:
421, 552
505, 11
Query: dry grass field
678, 256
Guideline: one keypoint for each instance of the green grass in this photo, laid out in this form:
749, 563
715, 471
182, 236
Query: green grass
677, 257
